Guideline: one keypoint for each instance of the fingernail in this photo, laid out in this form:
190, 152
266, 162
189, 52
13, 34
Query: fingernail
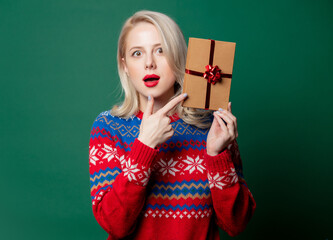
185, 94
149, 98
220, 109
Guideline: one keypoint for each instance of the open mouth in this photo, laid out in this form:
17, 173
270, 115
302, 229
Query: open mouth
151, 78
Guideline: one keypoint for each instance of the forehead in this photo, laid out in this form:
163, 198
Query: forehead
143, 34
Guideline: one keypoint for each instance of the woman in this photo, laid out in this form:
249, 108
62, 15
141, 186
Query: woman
158, 170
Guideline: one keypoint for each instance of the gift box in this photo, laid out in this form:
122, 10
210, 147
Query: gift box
208, 73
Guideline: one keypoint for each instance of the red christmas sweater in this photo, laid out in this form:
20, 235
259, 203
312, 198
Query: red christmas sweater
175, 191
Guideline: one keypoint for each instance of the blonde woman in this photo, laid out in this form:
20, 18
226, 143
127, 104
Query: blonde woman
158, 170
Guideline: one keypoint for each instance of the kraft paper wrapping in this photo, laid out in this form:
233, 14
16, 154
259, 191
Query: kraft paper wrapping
198, 55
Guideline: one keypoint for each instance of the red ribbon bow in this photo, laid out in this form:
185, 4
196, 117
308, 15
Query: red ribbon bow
213, 74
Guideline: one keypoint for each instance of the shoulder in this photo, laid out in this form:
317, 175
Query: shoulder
106, 117
113, 123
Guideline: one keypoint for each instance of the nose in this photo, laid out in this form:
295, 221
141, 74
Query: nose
150, 62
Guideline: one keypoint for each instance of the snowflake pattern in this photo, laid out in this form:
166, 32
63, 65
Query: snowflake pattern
145, 179
110, 152
92, 155
121, 160
232, 176
130, 169
136, 173
228, 178
194, 164
168, 167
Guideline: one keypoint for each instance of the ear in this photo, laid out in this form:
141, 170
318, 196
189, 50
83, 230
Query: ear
124, 65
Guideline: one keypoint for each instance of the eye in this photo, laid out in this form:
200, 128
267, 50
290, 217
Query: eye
159, 50
137, 53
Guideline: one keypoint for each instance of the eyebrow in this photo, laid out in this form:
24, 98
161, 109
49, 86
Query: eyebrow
156, 44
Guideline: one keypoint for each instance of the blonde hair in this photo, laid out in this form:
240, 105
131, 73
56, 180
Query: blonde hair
174, 47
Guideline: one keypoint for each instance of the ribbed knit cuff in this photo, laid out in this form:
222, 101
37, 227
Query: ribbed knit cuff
142, 154
220, 162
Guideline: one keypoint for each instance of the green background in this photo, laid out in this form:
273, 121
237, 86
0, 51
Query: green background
58, 72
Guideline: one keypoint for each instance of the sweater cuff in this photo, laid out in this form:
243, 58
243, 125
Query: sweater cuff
220, 162
142, 154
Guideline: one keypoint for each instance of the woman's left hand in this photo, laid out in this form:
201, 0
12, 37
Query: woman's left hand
220, 134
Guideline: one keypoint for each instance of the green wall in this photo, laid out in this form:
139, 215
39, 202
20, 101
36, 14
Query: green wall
58, 72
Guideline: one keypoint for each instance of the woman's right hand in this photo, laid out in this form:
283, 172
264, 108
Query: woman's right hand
155, 127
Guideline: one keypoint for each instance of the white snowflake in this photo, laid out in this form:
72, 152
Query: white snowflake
92, 155
146, 178
110, 152
229, 177
233, 175
168, 167
130, 169
194, 164
216, 181
122, 160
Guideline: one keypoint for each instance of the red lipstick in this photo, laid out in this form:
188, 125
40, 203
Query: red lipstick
151, 80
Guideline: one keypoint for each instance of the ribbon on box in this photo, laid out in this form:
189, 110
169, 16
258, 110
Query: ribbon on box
212, 74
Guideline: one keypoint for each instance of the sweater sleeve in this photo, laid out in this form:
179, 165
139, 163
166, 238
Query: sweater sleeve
118, 179
233, 203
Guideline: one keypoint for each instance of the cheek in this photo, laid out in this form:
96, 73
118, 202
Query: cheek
171, 75
133, 70
168, 71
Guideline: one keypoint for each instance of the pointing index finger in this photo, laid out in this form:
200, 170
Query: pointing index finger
170, 105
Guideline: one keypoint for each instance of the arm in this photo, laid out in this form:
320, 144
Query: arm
117, 179
233, 203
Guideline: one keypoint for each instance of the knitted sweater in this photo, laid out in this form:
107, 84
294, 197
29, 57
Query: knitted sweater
175, 191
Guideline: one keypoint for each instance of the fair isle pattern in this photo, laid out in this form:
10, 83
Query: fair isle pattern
170, 193
184, 129
184, 194
110, 153
226, 180
180, 128
178, 207
98, 153
123, 129
180, 190
197, 191
103, 178
128, 129
194, 164
138, 175
182, 164
92, 155
169, 212
168, 167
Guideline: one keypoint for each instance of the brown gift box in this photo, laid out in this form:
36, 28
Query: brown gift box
201, 93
